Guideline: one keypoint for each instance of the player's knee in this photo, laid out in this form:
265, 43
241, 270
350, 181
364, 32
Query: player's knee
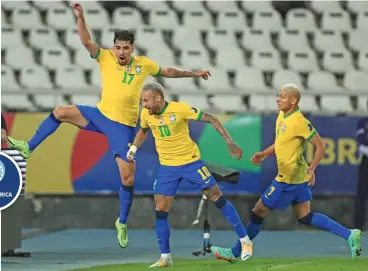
60, 113
161, 215
128, 178
256, 219
306, 220
220, 202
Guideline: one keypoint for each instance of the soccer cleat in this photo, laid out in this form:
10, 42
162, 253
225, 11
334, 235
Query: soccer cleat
162, 263
354, 241
122, 233
20, 145
225, 254
247, 251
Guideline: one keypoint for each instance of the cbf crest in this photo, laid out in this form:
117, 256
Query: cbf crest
172, 118
138, 69
283, 127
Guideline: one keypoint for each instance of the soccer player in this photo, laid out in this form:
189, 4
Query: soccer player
294, 178
116, 114
180, 160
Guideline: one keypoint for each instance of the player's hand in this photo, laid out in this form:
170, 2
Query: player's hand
205, 74
235, 150
312, 177
77, 8
257, 158
131, 154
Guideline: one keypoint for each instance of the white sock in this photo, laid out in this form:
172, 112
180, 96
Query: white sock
165, 256
245, 240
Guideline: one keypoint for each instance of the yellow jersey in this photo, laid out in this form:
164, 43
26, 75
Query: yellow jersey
292, 132
122, 85
170, 128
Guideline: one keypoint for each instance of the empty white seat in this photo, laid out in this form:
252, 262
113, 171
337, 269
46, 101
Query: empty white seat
70, 78
338, 21
43, 37
197, 101
180, 85
358, 39
19, 57
48, 101
363, 60
61, 18
250, 80
195, 59
88, 99
363, 103
16, 101
231, 58
255, 6
267, 20
162, 57
83, 59
193, 19
338, 61
302, 60
231, 20
323, 82
283, 77
336, 104
127, 17
218, 6
220, 38
356, 81
45, 5
152, 5
107, 36
229, 103
55, 57
11, 37
357, 6
96, 17
73, 41
8, 81
96, 80
362, 19
262, 102
291, 39
256, 40
218, 82
325, 6
308, 103
35, 77
26, 17
10, 5
301, 19
185, 38
326, 40
164, 19
3, 18
187, 5
266, 60
147, 36
88, 4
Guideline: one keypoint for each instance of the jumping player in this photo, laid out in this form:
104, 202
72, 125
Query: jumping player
116, 114
180, 160
294, 178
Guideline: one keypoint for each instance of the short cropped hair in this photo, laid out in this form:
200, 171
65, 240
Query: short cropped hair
155, 87
294, 88
125, 35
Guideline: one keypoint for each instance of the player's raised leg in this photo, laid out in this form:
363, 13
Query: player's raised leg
323, 222
69, 114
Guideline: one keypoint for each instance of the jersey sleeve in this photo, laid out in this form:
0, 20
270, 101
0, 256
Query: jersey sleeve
153, 68
305, 129
190, 113
101, 55
143, 123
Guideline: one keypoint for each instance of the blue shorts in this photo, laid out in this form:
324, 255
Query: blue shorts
282, 195
118, 135
169, 178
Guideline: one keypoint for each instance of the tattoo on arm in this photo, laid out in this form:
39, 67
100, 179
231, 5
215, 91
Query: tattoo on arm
175, 73
140, 138
217, 124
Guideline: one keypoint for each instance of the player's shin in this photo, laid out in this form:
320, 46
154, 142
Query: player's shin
163, 234
126, 199
47, 127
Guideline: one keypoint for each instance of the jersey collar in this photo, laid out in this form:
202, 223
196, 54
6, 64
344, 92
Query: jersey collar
288, 115
163, 109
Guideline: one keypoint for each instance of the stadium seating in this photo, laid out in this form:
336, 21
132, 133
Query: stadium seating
251, 48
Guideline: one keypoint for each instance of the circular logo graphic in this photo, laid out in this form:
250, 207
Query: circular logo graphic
10, 181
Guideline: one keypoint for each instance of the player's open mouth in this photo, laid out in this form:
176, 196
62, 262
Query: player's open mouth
121, 58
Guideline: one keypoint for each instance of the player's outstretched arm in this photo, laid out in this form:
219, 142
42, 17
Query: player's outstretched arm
175, 73
234, 149
83, 31
137, 143
258, 157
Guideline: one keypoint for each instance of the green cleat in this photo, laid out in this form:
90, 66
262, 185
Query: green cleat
20, 145
122, 233
225, 254
355, 243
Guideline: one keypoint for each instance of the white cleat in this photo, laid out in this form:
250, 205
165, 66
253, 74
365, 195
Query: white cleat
247, 250
167, 262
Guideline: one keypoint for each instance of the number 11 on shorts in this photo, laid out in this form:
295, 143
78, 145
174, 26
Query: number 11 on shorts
204, 172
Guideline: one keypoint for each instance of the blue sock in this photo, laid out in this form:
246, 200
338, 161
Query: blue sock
325, 223
252, 229
46, 128
126, 198
163, 231
231, 216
